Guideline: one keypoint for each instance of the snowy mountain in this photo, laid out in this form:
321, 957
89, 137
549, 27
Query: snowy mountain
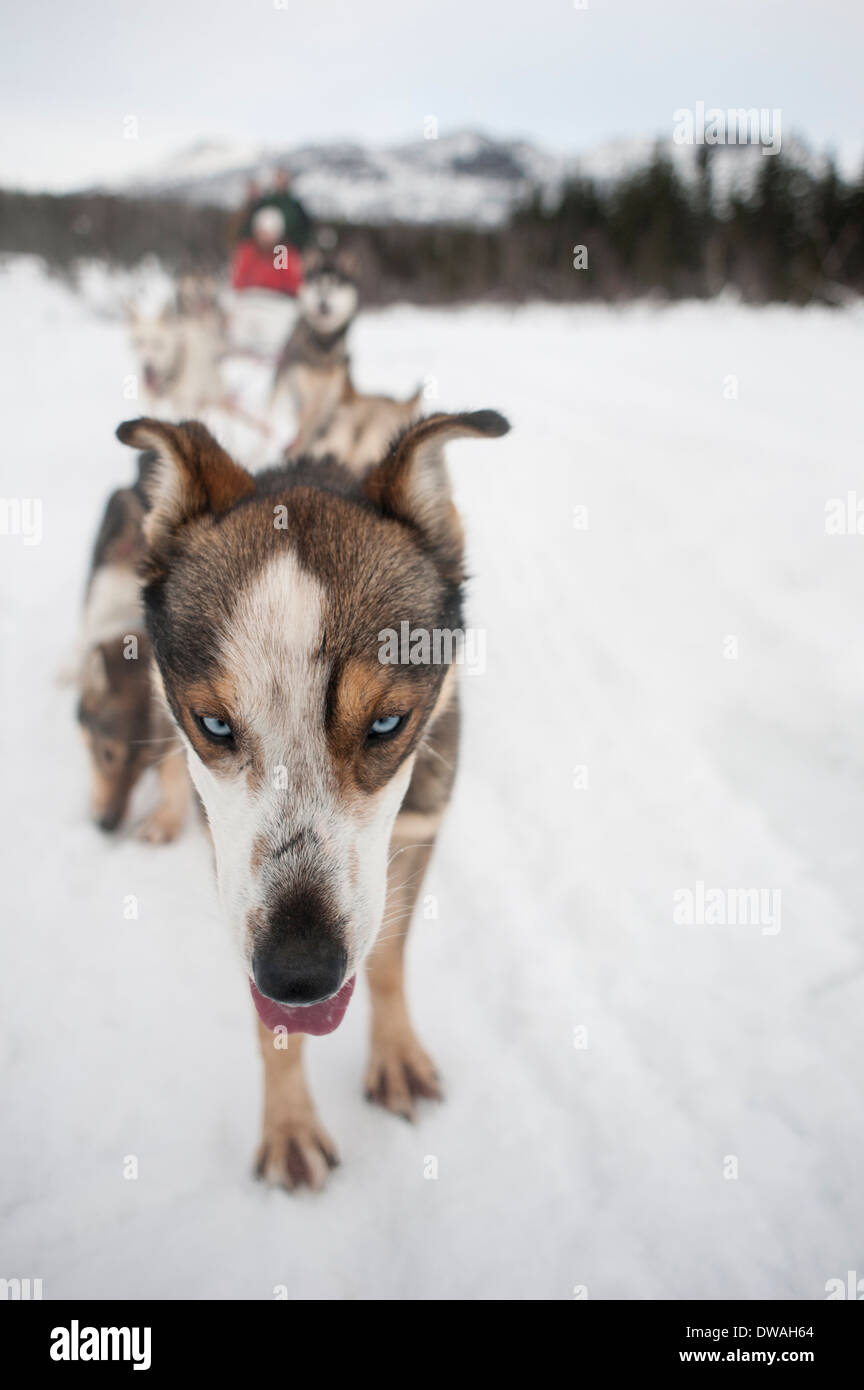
464, 176
460, 177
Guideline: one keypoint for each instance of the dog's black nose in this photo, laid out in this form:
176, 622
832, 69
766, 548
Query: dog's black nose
110, 820
303, 971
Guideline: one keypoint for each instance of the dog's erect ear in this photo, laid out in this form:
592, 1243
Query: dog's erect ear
192, 475
411, 483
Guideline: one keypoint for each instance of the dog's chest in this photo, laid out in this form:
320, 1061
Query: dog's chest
317, 390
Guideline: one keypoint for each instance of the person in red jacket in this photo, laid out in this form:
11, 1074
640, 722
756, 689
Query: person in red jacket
263, 261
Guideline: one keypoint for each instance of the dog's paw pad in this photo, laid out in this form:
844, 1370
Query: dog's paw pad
399, 1074
296, 1157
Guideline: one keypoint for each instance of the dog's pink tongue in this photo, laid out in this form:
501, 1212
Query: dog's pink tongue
308, 1018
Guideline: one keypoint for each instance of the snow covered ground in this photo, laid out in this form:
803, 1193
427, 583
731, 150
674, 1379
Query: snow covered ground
672, 696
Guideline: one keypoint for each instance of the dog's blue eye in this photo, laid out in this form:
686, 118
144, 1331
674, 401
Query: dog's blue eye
217, 727
387, 724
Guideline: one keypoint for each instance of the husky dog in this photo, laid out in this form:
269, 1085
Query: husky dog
179, 357
181, 351
324, 769
124, 728
314, 371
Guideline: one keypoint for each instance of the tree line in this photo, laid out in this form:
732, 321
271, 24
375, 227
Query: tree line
795, 235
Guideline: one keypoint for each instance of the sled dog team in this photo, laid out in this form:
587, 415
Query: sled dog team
231, 636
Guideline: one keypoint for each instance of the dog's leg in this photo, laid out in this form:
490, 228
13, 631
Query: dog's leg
165, 823
310, 427
399, 1068
295, 1149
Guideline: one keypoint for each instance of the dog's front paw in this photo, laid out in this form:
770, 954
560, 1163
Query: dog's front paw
298, 1154
399, 1072
161, 827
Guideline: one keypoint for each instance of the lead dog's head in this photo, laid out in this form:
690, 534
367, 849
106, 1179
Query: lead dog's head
329, 296
265, 598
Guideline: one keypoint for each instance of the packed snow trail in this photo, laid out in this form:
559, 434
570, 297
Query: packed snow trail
672, 697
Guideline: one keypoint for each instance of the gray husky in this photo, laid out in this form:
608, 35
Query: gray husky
314, 372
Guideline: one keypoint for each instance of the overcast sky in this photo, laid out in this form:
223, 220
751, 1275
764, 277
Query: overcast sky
283, 71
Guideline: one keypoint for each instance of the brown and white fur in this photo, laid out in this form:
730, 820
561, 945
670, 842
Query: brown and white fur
180, 353
314, 371
179, 359
265, 597
125, 730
